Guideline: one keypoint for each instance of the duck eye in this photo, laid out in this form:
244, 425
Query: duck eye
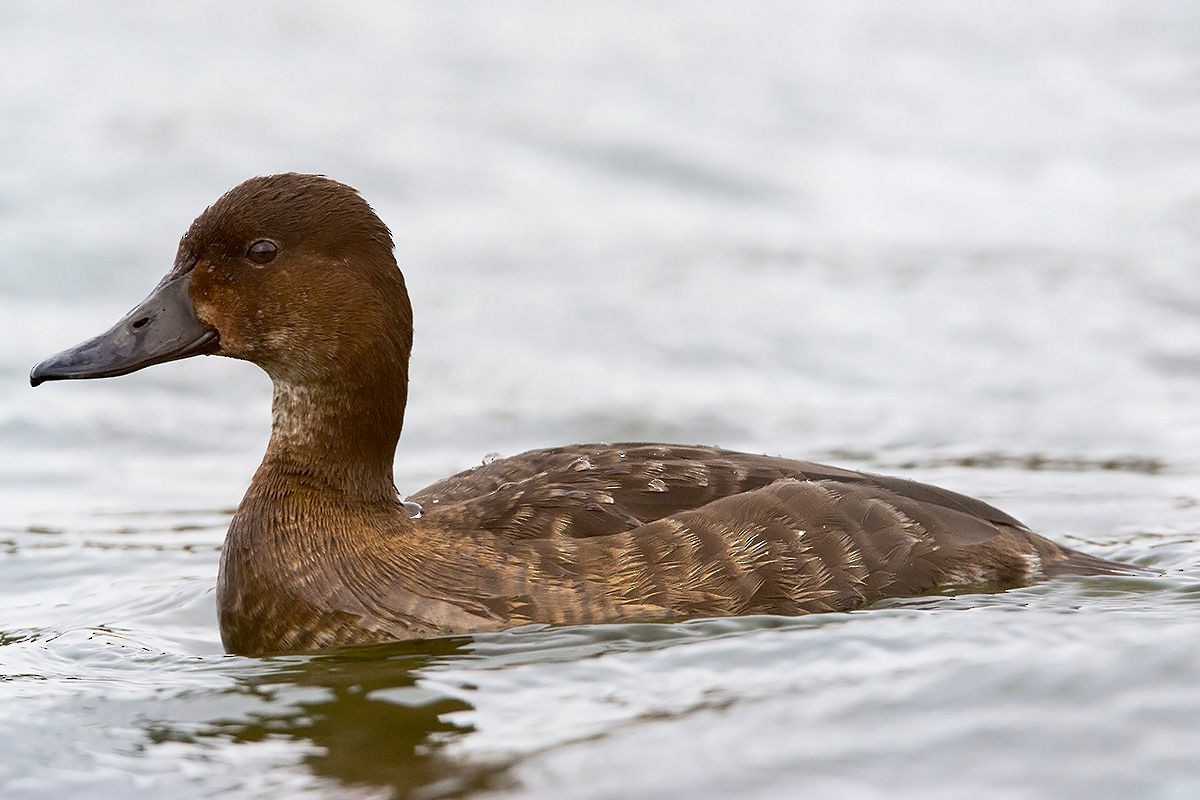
263, 251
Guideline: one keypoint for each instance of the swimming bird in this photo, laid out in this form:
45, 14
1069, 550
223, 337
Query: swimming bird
296, 273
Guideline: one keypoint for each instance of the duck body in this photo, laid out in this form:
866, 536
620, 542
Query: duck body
609, 533
296, 274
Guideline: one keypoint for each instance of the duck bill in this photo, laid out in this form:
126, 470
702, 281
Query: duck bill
163, 328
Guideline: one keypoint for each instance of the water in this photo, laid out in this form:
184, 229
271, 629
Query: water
958, 242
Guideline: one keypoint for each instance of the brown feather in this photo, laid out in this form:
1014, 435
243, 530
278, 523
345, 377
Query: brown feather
321, 552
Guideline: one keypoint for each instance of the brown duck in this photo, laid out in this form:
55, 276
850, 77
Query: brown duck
296, 274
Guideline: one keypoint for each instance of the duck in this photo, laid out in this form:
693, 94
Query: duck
297, 274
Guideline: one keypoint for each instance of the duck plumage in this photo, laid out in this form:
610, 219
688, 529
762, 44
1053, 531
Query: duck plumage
296, 274
630, 532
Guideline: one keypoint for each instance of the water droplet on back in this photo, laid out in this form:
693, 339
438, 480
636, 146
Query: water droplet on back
657, 485
413, 509
489, 458
581, 464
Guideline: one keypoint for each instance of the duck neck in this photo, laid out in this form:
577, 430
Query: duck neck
336, 437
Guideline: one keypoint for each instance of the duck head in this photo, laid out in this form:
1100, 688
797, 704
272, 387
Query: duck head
296, 274
292, 272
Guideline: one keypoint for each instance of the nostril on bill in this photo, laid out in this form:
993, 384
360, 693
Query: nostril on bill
140, 323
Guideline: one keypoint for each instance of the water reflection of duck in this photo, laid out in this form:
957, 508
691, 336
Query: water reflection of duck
359, 714
296, 274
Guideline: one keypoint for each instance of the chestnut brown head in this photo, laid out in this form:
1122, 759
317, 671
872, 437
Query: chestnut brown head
292, 272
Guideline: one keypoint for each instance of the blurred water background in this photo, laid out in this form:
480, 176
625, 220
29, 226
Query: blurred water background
955, 241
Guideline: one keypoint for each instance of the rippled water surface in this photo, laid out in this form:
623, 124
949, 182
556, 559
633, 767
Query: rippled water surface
959, 242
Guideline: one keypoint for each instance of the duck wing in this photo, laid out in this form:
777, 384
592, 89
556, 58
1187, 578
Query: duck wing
601, 489
672, 530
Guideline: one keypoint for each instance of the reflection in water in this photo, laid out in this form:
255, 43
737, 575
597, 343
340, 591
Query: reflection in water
368, 725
